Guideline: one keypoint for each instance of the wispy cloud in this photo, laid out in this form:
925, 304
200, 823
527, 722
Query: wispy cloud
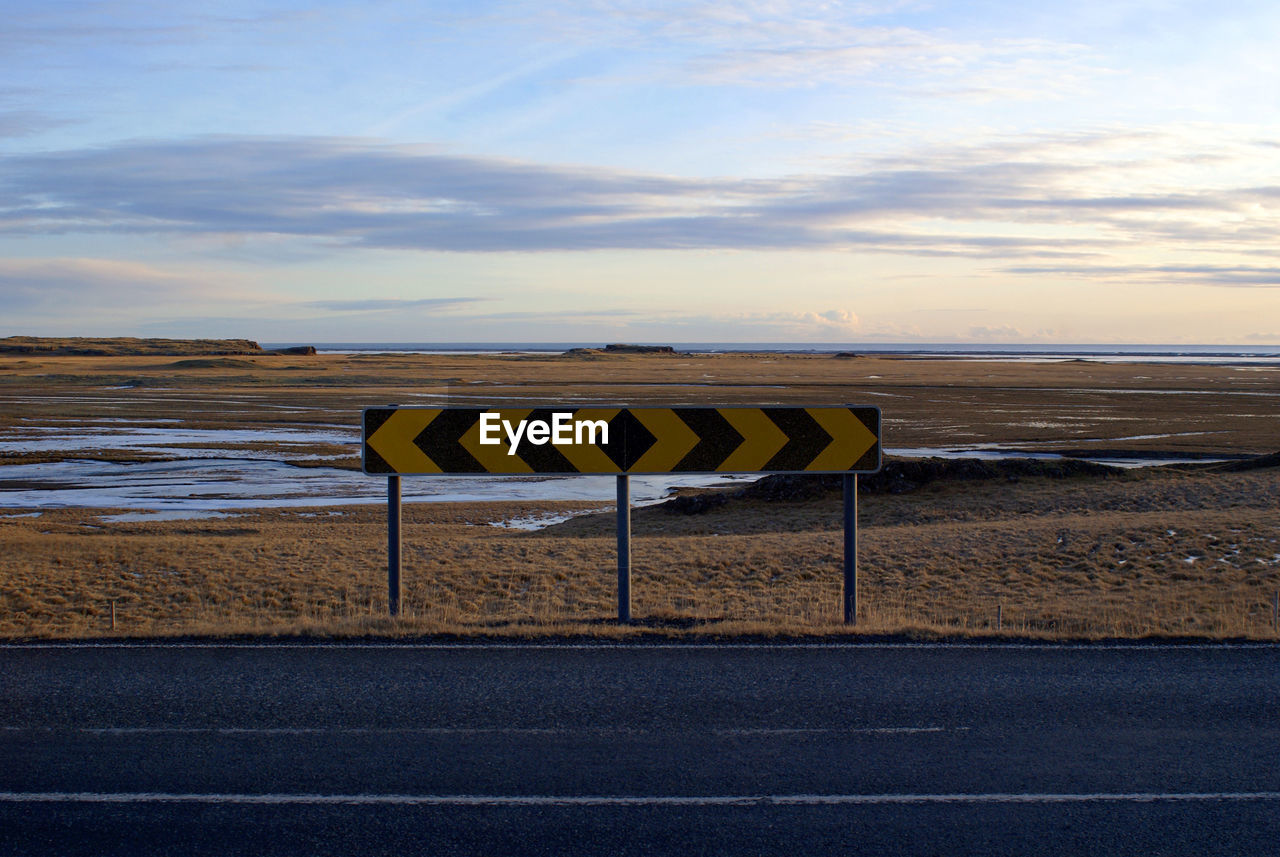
57, 295
789, 43
603, 324
1242, 276
24, 123
82, 284
1058, 202
391, 304
58, 26
833, 324
684, 326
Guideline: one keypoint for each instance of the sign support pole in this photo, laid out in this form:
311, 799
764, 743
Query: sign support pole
624, 548
393, 545
820, 439
850, 548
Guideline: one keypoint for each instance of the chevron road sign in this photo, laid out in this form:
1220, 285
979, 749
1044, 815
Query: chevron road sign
622, 440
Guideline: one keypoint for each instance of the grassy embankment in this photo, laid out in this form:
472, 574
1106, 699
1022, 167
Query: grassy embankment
1159, 554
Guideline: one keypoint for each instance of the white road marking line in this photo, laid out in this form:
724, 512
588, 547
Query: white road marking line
857, 730
462, 730
641, 646
628, 800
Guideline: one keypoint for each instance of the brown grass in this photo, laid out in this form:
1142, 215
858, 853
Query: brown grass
1066, 405
1058, 558
1055, 570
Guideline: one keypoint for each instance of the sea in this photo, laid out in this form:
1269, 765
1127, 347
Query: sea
1112, 353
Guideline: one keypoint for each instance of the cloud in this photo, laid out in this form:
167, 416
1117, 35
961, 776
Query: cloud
910, 61
61, 30
795, 44
85, 295
391, 304
81, 283
1001, 333
348, 193
809, 326
1038, 202
842, 317
56, 295
26, 123
804, 324
602, 324
650, 325
1210, 275
71, 285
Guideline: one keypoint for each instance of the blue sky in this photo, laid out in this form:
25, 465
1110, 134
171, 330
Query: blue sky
635, 171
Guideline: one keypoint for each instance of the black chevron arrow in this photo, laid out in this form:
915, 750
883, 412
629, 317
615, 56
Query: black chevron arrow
704, 436
373, 420
544, 458
716, 440
628, 440
805, 439
441, 440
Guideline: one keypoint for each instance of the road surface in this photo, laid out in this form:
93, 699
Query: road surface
639, 749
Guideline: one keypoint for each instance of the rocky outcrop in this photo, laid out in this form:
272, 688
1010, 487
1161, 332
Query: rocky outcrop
898, 476
619, 348
1258, 463
125, 346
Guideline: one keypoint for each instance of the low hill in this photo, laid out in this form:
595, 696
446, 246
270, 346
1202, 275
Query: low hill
125, 346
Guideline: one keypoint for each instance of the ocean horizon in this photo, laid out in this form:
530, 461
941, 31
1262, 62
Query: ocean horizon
1095, 351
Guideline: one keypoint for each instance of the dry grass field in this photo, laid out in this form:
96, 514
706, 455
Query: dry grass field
1189, 550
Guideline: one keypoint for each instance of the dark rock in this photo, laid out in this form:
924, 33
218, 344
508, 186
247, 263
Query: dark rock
618, 348
901, 476
791, 486
1257, 463
694, 504
212, 363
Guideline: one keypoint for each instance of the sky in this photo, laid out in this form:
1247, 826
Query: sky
627, 171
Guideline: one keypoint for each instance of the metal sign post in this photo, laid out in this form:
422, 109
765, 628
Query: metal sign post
851, 548
621, 441
624, 548
393, 545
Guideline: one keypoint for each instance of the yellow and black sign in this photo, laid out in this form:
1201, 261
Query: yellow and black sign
622, 440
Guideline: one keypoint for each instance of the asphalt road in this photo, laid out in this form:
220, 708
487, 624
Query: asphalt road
753, 750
